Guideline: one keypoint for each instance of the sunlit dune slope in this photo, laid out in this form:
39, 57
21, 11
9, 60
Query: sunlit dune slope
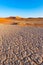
10, 20
5, 20
22, 21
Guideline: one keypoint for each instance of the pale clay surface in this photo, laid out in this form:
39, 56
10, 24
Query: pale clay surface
21, 45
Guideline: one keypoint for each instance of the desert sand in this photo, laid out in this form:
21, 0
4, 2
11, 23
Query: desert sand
38, 22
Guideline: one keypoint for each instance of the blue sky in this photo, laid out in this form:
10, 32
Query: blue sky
23, 8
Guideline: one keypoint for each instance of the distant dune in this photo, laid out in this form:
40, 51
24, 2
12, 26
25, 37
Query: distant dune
22, 21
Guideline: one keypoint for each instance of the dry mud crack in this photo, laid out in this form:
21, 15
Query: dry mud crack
21, 45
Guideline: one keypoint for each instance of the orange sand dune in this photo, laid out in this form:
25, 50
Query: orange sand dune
10, 20
5, 21
22, 21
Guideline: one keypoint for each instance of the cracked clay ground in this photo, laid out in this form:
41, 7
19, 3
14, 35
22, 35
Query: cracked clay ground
21, 45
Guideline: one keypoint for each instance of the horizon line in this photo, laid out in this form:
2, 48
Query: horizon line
20, 17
